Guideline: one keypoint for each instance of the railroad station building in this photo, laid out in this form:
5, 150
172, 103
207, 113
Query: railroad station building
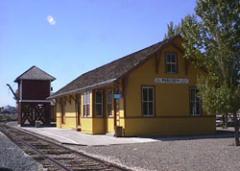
149, 92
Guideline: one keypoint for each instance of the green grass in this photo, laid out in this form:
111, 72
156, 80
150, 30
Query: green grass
7, 117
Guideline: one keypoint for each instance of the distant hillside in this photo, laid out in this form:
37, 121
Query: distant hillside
8, 109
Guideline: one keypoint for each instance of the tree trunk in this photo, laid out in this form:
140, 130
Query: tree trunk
236, 127
225, 120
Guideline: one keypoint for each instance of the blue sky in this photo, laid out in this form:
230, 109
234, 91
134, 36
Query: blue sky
69, 37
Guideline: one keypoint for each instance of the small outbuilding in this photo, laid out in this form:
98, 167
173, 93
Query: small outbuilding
34, 86
149, 92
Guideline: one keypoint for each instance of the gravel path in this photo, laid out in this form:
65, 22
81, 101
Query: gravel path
14, 158
186, 154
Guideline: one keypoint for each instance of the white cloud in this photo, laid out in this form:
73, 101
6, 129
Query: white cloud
51, 20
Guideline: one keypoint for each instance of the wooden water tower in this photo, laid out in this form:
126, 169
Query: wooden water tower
34, 86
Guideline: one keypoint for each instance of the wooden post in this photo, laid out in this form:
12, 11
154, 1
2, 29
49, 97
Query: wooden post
236, 128
115, 112
105, 115
76, 110
19, 113
115, 109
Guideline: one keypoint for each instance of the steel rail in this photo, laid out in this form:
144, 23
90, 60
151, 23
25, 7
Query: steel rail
108, 164
57, 164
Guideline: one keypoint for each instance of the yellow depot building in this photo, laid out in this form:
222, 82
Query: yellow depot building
149, 92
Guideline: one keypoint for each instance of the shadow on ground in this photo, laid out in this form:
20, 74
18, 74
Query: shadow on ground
218, 135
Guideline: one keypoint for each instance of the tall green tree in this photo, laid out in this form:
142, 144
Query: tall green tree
172, 30
212, 41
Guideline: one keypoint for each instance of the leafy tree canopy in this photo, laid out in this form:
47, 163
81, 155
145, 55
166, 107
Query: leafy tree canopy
173, 30
212, 41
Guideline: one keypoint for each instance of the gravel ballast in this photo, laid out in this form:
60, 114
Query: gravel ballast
216, 153
12, 157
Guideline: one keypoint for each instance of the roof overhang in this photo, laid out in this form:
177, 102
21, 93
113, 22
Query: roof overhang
17, 80
79, 90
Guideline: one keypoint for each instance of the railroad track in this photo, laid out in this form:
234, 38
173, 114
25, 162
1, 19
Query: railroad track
53, 156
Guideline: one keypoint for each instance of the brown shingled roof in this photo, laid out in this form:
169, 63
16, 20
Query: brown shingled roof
34, 73
110, 72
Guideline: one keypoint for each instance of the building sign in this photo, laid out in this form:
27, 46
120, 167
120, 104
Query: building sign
117, 96
171, 80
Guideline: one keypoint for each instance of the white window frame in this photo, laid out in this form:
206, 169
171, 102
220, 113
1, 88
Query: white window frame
99, 103
195, 102
86, 102
148, 101
169, 62
109, 102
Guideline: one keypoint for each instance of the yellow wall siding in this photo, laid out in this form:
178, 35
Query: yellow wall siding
70, 115
122, 123
172, 100
87, 125
169, 126
70, 108
58, 122
99, 126
110, 125
58, 115
70, 122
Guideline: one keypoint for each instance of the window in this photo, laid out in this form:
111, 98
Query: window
195, 102
86, 104
99, 102
148, 101
109, 95
171, 63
